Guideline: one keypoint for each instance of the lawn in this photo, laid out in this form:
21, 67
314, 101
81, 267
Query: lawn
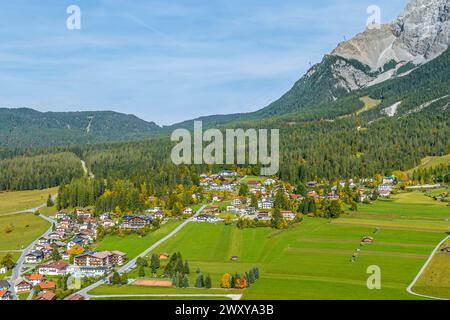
311, 260
133, 244
430, 162
435, 281
254, 178
131, 289
164, 298
14, 201
407, 205
308, 261
24, 228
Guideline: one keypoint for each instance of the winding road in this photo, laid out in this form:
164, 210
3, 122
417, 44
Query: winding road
16, 272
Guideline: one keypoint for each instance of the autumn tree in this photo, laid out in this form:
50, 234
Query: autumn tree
225, 281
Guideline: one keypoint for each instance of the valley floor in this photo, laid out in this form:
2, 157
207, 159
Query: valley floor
311, 260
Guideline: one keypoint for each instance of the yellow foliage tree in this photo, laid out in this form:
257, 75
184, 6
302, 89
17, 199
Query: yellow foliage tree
76, 250
225, 281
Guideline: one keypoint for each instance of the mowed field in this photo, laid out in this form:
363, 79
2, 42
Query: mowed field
312, 260
14, 201
429, 162
134, 244
19, 230
435, 281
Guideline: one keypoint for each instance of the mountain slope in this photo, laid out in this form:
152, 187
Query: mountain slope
26, 127
420, 34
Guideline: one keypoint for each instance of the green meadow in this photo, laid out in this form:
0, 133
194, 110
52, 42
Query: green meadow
134, 244
19, 230
14, 201
435, 281
312, 260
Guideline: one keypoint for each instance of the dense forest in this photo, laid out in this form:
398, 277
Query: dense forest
39, 172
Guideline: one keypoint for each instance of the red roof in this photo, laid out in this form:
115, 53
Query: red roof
47, 285
46, 295
56, 265
3, 293
35, 276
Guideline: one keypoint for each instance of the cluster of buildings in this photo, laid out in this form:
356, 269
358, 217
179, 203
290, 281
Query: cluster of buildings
222, 181
70, 229
86, 264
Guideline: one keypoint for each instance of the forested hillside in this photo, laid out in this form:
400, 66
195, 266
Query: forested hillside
39, 172
29, 128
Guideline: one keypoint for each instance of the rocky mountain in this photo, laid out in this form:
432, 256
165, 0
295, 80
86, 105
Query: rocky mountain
25, 127
418, 35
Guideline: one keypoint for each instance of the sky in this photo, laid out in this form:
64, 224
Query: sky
168, 60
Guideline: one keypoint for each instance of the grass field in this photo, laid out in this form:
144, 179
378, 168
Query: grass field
25, 228
134, 244
430, 162
435, 281
312, 260
14, 201
163, 298
408, 205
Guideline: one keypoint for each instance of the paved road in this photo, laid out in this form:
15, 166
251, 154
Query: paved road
16, 272
409, 289
175, 295
132, 263
33, 210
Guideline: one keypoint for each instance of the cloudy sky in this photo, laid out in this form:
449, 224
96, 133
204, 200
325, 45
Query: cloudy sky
168, 60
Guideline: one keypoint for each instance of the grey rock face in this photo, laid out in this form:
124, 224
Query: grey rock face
420, 33
424, 27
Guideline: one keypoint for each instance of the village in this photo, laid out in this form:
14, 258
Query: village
65, 259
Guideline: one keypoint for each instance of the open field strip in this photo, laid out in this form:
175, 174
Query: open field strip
433, 280
430, 162
166, 297
14, 201
173, 296
295, 269
22, 229
134, 244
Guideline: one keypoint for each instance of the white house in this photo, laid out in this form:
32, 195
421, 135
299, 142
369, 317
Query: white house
57, 268
188, 211
265, 204
85, 271
3, 270
34, 257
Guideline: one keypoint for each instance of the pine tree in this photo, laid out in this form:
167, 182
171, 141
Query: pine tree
186, 281
199, 283
208, 282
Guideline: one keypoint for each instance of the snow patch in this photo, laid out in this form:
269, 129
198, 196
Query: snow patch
392, 110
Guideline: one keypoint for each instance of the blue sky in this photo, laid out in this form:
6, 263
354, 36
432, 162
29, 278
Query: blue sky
168, 60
